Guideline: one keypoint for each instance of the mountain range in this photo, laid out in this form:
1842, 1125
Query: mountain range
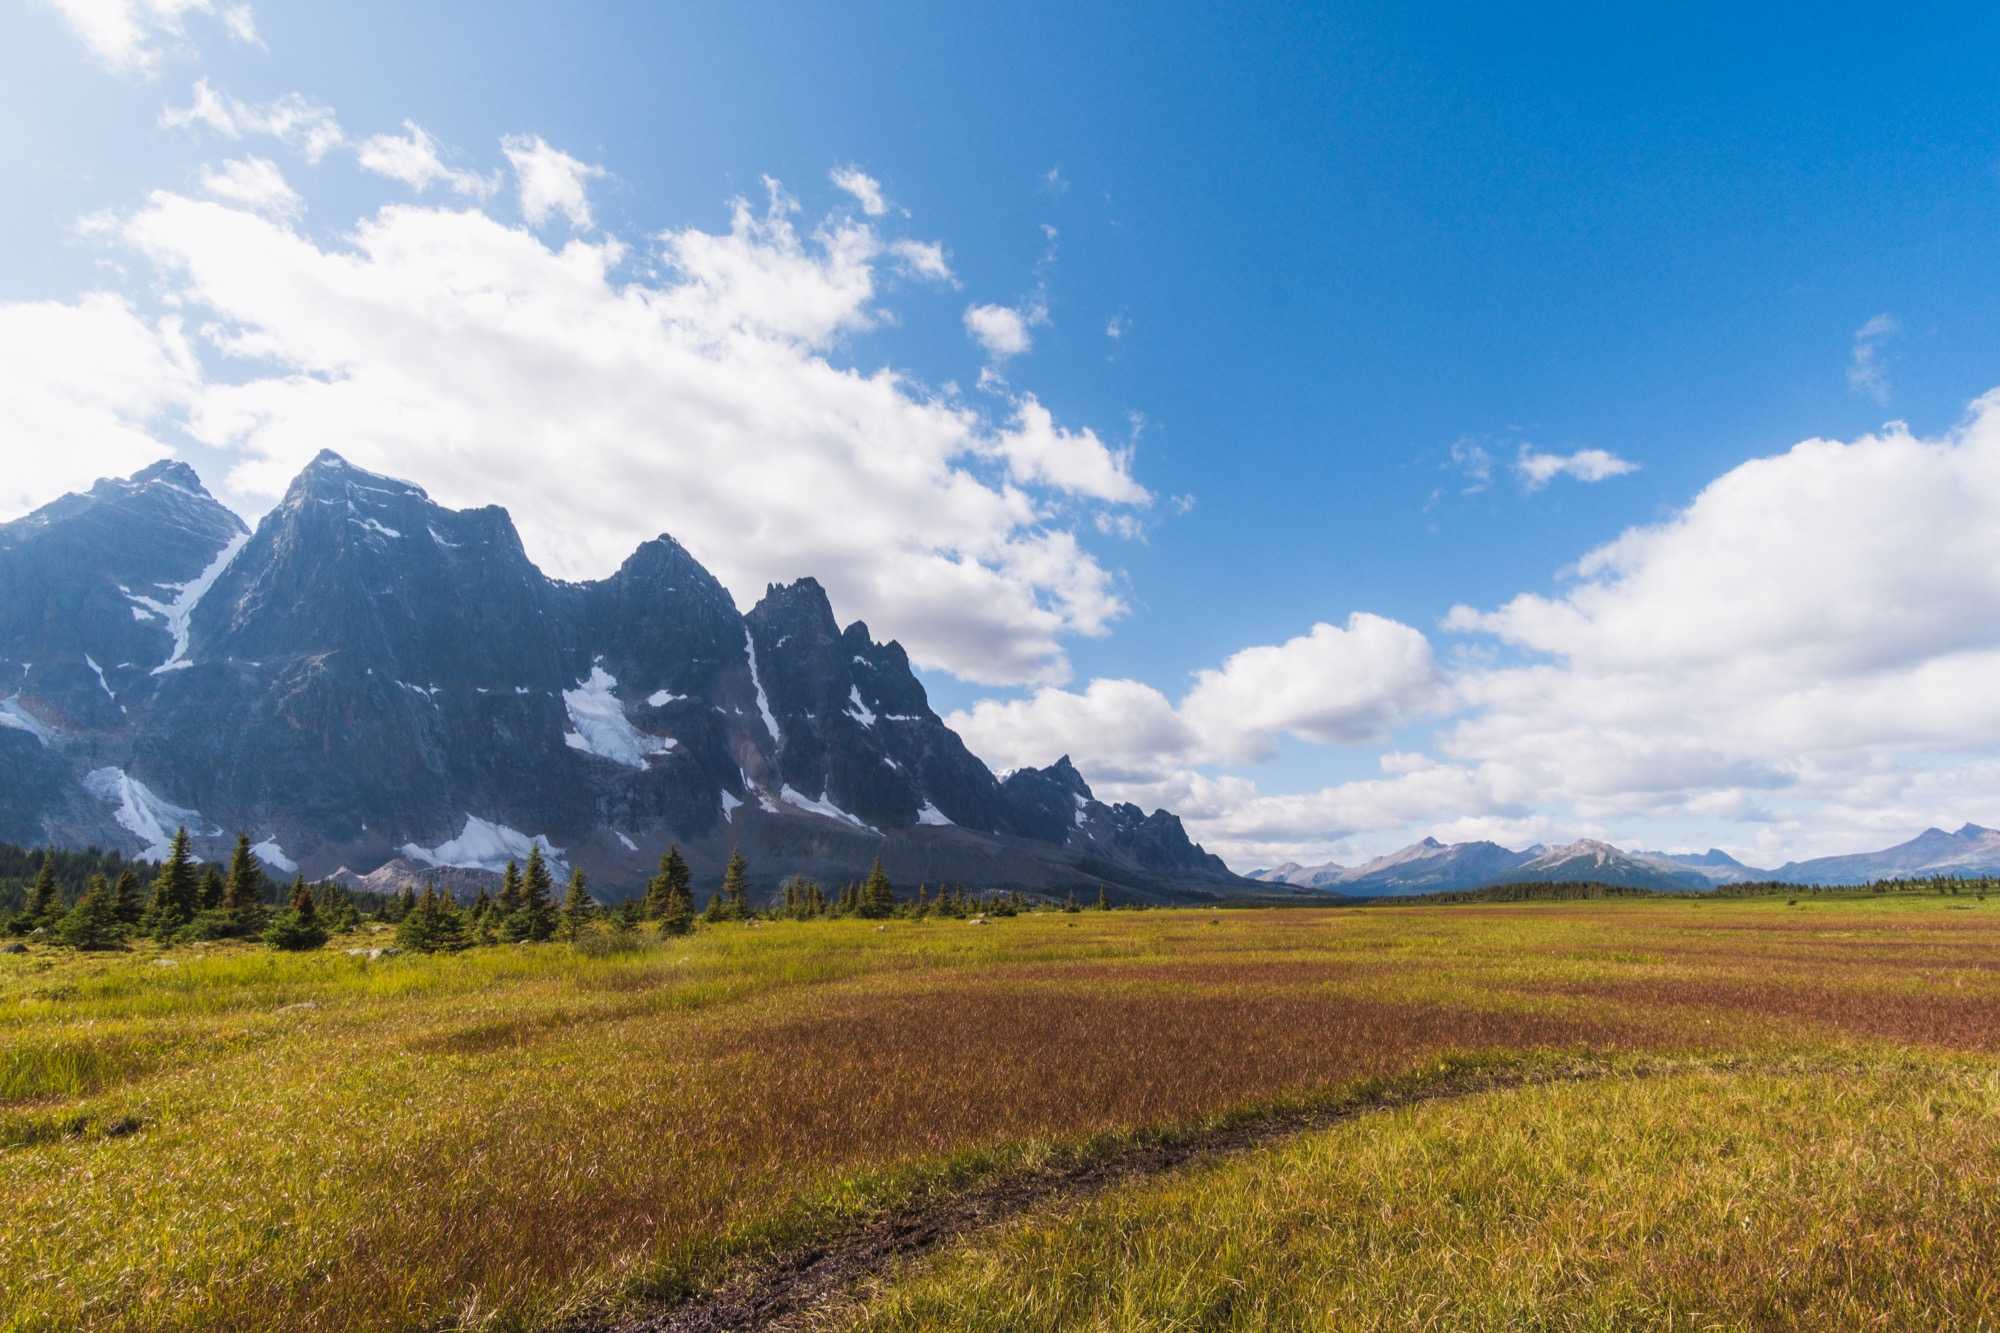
1431, 866
376, 686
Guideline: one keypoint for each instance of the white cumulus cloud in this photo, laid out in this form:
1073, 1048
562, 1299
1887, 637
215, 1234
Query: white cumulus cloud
256, 183
412, 157
605, 396
135, 36
84, 388
1002, 330
550, 181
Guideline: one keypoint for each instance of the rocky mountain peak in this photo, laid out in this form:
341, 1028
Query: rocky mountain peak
172, 472
1065, 775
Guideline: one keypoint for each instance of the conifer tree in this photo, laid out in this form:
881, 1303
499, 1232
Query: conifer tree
406, 902
576, 909
509, 901
93, 922
674, 879
922, 907
125, 899
434, 925
736, 888
211, 890
1103, 902
175, 890
1069, 903
535, 920
878, 896
677, 902
714, 912
243, 891
43, 906
298, 927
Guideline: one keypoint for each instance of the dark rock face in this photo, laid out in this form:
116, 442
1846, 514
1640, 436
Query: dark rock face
377, 684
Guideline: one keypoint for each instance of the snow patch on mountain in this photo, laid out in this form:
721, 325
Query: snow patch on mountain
187, 596
763, 703
485, 845
661, 698
730, 805
857, 710
98, 671
272, 855
12, 714
822, 806
148, 817
601, 727
629, 845
930, 814
370, 525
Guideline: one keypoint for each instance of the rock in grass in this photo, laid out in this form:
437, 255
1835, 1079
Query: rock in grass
16, 947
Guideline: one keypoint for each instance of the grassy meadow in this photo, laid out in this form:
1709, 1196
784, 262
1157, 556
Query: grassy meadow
1739, 1113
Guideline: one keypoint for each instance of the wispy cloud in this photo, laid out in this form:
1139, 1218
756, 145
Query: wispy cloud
1866, 371
1538, 469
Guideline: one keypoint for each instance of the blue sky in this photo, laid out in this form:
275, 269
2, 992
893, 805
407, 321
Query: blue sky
1361, 264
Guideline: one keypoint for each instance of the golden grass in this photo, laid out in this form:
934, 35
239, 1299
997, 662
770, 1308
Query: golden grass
502, 1138
1858, 1199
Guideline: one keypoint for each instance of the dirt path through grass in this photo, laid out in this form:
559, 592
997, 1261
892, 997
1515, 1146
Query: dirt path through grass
788, 1291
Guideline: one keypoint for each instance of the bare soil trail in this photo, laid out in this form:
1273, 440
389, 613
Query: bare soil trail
786, 1292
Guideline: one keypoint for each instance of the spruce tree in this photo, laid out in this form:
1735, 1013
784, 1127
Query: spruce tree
175, 890
212, 890
576, 908
736, 888
535, 919
434, 925
43, 905
1103, 902
509, 901
677, 897
878, 896
298, 927
714, 911
674, 879
243, 891
125, 899
93, 922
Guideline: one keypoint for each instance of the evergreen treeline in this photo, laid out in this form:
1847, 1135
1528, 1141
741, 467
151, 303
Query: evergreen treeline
1557, 891
1533, 891
20, 867
97, 900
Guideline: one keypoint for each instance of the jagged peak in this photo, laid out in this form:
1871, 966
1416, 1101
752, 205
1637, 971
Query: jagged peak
172, 471
800, 597
330, 467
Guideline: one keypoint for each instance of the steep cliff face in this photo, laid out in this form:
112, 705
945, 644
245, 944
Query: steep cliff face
372, 681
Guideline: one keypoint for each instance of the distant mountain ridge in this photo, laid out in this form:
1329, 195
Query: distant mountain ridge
1430, 866
373, 683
